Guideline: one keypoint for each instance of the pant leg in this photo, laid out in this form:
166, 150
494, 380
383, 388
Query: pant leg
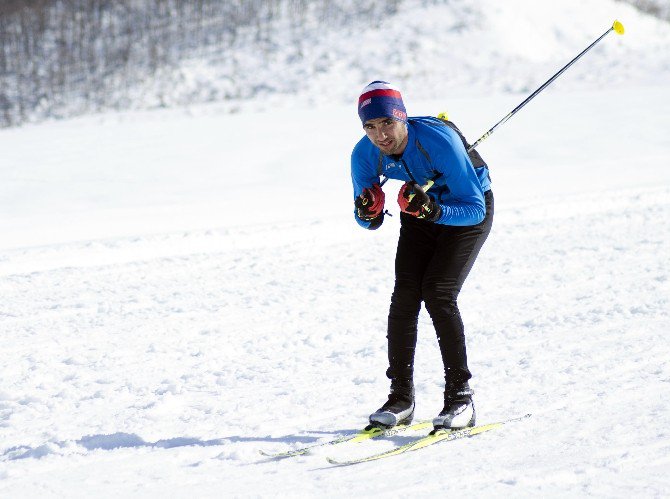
455, 253
415, 250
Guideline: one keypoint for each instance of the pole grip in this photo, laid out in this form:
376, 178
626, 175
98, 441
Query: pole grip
425, 188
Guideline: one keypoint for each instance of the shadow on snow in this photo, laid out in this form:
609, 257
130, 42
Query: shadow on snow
122, 440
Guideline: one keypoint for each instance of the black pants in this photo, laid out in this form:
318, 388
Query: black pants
432, 262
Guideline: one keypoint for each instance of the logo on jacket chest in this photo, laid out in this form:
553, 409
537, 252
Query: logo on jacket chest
396, 170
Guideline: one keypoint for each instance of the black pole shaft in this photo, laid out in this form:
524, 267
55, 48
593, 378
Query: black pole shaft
617, 26
532, 96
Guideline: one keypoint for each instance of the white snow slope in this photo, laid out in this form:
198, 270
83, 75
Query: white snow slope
182, 290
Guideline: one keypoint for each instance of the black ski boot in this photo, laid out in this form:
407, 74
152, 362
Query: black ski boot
399, 409
459, 409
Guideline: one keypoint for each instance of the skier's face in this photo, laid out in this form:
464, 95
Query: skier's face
388, 134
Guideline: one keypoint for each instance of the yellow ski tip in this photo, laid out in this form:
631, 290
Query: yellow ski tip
443, 116
618, 27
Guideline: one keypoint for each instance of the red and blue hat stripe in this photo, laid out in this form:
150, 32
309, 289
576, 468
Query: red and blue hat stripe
380, 99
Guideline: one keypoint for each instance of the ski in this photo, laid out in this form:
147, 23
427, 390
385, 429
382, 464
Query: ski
367, 433
433, 437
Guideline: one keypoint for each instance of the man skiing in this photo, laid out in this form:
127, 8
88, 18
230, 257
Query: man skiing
443, 225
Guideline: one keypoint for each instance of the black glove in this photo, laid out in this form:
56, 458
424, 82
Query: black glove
370, 204
420, 205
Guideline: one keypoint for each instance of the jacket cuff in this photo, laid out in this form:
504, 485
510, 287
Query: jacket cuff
437, 213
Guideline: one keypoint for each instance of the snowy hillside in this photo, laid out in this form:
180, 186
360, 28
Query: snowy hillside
183, 289
459, 48
156, 54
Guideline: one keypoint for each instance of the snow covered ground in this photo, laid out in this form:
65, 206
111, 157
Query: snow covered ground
181, 290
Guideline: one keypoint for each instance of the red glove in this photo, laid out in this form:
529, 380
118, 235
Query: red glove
370, 203
420, 205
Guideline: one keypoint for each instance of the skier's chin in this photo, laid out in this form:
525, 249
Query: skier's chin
388, 149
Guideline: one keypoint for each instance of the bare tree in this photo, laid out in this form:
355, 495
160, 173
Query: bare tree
67, 57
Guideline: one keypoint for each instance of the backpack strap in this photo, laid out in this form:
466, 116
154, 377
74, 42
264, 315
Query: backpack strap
475, 157
423, 151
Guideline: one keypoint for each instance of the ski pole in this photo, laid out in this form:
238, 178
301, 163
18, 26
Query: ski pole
617, 27
428, 185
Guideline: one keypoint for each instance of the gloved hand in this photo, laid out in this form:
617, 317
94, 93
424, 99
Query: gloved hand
420, 205
370, 203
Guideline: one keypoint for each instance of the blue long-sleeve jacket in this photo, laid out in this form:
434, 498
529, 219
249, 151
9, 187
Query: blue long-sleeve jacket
433, 150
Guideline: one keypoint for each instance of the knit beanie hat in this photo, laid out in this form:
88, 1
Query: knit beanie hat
380, 99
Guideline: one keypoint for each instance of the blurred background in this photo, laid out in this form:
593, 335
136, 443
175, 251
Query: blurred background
65, 58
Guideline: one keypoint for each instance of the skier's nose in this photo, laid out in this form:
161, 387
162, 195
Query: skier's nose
381, 134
